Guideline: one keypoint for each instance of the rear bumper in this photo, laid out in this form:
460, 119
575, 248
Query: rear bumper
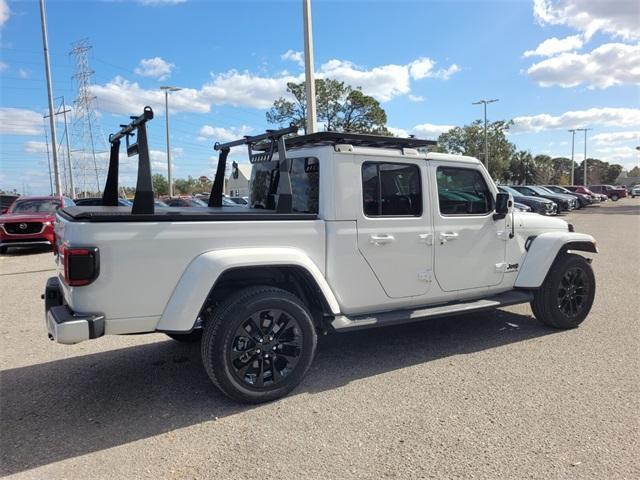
63, 324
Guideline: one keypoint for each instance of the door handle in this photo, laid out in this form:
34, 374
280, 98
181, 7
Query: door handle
379, 240
447, 236
426, 238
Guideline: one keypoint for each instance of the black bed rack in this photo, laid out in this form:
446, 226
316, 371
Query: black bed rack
143, 200
262, 148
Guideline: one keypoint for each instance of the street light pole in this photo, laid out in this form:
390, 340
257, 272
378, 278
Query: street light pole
52, 120
486, 142
584, 162
308, 68
573, 140
168, 89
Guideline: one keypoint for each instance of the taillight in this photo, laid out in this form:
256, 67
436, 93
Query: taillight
81, 265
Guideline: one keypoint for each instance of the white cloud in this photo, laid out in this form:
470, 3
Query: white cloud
154, 67
35, 147
625, 156
398, 132
618, 18
384, 82
415, 98
293, 56
616, 137
245, 89
445, 73
5, 12
220, 134
123, 97
19, 121
617, 117
423, 68
608, 65
429, 130
553, 46
4, 67
24, 73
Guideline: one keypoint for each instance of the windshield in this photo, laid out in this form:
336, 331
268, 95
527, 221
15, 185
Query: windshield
540, 190
196, 202
514, 193
35, 206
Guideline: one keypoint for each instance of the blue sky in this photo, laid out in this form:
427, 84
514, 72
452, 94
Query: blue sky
554, 65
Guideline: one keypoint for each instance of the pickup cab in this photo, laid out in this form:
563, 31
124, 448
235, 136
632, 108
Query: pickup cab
344, 232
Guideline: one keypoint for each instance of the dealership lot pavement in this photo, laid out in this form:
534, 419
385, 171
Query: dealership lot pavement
480, 396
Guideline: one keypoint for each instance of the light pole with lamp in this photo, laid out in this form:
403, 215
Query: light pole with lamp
168, 89
573, 142
486, 143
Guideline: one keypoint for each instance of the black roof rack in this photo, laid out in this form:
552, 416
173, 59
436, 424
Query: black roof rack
355, 139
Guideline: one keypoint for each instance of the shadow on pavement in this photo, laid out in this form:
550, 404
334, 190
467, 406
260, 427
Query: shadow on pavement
67, 408
22, 251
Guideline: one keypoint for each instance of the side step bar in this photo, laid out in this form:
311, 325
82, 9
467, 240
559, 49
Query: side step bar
344, 323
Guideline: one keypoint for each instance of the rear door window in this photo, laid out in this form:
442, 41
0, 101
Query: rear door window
391, 190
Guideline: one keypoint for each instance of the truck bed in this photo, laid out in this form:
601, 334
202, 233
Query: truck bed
95, 214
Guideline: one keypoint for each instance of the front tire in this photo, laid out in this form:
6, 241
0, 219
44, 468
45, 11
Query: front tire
566, 296
3, 250
259, 344
615, 198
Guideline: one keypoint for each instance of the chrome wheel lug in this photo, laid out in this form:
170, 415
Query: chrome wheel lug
258, 350
274, 347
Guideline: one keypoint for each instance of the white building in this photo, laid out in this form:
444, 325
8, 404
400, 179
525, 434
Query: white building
238, 184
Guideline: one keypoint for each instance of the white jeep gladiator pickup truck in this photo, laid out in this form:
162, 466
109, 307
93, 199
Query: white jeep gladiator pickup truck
344, 232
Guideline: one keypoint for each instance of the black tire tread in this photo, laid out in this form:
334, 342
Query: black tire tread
544, 297
215, 322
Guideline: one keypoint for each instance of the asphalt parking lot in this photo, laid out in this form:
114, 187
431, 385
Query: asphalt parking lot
490, 395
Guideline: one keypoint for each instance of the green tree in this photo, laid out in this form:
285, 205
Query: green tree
561, 171
469, 140
522, 168
544, 169
160, 184
339, 106
634, 172
598, 171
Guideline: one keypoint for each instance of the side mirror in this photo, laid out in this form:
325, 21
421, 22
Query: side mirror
502, 205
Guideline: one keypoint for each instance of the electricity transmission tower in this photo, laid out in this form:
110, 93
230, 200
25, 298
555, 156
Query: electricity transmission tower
88, 144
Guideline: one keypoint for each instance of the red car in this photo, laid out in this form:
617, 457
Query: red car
614, 193
29, 221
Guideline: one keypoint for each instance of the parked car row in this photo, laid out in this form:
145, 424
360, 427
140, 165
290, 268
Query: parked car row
555, 199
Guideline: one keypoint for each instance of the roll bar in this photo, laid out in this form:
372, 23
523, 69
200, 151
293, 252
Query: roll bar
143, 200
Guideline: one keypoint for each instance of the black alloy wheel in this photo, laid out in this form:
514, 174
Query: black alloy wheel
566, 296
258, 344
266, 348
572, 292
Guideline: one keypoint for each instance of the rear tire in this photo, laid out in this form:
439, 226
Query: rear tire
191, 337
3, 250
566, 296
615, 198
259, 344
